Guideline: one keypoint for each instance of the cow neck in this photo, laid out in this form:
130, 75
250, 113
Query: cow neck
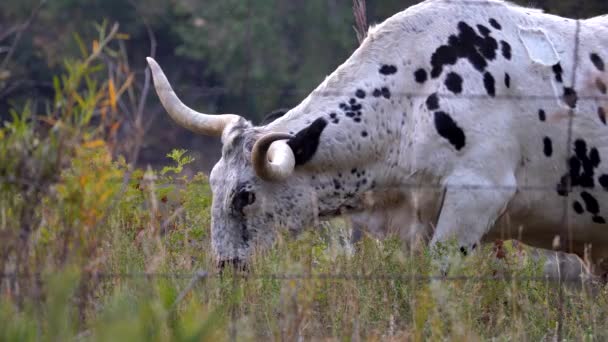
357, 127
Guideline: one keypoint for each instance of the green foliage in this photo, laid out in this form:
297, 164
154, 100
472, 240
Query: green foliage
260, 50
180, 160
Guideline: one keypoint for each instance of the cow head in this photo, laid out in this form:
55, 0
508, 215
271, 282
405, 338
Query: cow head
255, 191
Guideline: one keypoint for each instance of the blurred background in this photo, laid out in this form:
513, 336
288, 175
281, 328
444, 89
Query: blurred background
232, 56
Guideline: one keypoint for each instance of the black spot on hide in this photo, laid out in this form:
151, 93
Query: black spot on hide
542, 116
578, 208
388, 69
582, 167
333, 117
420, 75
304, 145
386, 93
597, 61
548, 147
448, 129
601, 113
506, 50
583, 164
495, 24
604, 181
432, 102
453, 82
483, 30
558, 71
478, 50
352, 110
591, 203
489, 83
562, 186
570, 97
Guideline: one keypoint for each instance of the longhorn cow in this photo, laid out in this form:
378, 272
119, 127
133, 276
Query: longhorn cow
499, 111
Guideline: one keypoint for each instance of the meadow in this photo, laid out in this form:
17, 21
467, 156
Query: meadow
94, 248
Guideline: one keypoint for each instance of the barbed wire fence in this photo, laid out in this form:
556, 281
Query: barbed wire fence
361, 31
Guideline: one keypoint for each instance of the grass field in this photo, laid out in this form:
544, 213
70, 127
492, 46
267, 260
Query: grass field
287, 294
93, 249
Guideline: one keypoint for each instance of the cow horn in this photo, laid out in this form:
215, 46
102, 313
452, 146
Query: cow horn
272, 158
186, 117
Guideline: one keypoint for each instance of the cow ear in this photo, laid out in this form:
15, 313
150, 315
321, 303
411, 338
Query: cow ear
305, 143
273, 116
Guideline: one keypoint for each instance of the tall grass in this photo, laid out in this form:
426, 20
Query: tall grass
92, 249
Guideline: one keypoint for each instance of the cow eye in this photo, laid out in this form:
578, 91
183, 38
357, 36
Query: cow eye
243, 199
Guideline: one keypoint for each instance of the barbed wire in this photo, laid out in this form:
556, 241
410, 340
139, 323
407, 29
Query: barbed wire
215, 91
402, 185
320, 276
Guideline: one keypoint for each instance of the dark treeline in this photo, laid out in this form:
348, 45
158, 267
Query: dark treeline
232, 56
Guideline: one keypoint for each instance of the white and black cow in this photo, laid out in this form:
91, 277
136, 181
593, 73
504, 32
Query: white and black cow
497, 109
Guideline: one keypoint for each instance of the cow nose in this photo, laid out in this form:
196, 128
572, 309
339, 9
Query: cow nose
235, 263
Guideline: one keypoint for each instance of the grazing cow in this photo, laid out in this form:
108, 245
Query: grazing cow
497, 110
